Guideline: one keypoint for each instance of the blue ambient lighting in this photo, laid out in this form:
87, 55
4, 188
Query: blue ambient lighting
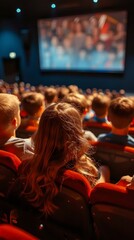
18, 10
53, 5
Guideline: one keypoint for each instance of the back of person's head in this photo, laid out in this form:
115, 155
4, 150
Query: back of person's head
59, 145
32, 102
78, 100
9, 111
59, 129
62, 92
121, 112
122, 93
50, 95
73, 88
100, 104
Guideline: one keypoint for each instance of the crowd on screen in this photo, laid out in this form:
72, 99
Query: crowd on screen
83, 42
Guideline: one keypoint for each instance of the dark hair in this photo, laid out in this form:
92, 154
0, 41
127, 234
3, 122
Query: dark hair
31, 102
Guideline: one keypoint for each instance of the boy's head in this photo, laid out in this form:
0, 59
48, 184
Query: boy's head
121, 112
62, 92
51, 95
33, 103
9, 113
78, 101
100, 104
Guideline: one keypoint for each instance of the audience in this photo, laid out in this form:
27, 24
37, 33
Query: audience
59, 145
120, 113
9, 122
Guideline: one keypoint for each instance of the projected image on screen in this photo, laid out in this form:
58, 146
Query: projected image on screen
94, 42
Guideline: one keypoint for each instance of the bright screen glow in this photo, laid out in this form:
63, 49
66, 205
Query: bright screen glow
94, 42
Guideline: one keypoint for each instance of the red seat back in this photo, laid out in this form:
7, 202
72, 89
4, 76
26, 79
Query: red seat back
72, 218
76, 182
113, 211
9, 160
131, 131
10, 232
97, 128
9, 164
120, 159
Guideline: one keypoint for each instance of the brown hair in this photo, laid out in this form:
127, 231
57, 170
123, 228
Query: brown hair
78, 100
62, 92
100, 104
50, 94
59, 140
121, 112
31, 102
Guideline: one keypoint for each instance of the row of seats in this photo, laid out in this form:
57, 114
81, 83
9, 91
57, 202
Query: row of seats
98, 128
104, 212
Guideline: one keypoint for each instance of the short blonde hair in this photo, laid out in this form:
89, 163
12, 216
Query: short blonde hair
9, 107
77, 100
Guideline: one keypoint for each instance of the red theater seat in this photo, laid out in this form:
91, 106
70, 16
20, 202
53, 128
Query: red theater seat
113, 211
9, 164
120, 159
71, 220
76, 182
131, 131
26, 132
97, 128
10, 232
9, 160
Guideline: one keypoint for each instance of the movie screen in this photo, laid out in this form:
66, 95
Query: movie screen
94, 42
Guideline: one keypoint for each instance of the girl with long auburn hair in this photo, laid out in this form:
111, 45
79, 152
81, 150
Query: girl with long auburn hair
59, 145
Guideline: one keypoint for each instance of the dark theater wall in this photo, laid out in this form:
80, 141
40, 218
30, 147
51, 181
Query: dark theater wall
24, 41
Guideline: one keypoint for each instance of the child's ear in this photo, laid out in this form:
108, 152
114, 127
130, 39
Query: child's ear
14, 122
